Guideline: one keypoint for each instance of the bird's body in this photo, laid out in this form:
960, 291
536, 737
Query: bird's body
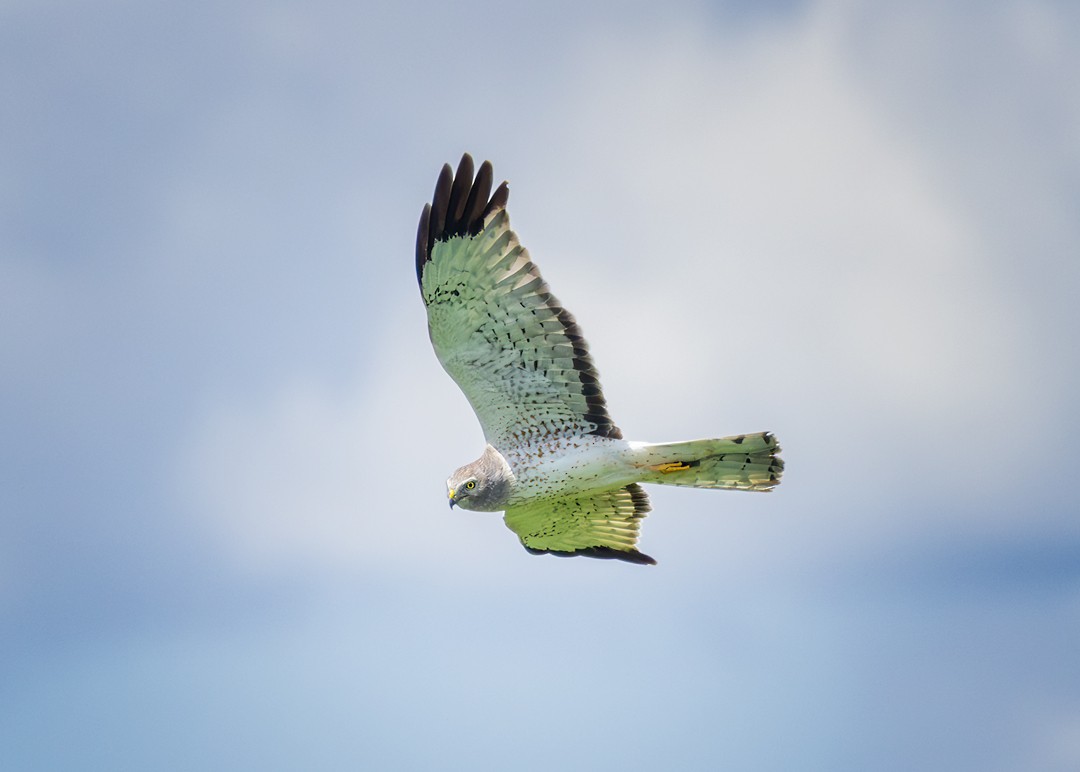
555, 462
559, 465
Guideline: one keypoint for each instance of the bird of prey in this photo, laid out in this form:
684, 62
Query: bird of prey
554, 462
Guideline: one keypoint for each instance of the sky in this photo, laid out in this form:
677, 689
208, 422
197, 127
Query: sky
224, 542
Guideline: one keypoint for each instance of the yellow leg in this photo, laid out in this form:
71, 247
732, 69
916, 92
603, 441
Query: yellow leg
673, 466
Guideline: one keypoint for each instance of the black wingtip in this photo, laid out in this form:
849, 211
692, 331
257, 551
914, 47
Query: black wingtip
602, 553
498, 200
459, 207
422, 231
459, 191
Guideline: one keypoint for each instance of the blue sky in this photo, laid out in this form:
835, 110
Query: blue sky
223, 534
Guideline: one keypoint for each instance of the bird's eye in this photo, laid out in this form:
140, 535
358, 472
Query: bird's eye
470, 484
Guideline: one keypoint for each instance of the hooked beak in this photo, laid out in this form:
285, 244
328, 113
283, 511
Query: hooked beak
453, 501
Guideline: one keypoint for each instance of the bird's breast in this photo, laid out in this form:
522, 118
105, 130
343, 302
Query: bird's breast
558, 466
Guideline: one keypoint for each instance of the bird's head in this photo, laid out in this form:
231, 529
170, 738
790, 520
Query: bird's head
460, 487
483, 485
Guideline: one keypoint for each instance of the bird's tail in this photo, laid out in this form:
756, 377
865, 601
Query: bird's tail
747, 462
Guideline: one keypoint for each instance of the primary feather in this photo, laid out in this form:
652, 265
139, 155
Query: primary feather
555, 462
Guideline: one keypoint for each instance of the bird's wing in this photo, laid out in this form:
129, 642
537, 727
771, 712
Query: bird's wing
599, 524
516, 353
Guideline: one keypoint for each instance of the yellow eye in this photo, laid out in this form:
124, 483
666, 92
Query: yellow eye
470, 484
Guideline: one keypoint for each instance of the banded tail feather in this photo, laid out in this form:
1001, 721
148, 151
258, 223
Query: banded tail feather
554, 460
748, 462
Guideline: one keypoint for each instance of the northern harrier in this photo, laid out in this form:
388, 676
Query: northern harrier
555, 462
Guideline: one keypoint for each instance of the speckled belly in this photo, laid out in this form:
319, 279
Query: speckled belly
561, 466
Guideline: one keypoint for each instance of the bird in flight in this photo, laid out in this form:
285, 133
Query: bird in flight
555, 463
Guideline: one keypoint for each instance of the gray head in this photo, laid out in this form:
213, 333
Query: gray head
483, 485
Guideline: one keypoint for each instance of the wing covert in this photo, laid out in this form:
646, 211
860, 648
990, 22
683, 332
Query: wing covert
602, 524
516, 353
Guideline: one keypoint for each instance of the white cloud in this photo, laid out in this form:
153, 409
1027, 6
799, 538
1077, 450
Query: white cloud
312, 479
774, 212
734, 213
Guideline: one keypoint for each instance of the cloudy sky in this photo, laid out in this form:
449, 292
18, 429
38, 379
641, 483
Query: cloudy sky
224, 541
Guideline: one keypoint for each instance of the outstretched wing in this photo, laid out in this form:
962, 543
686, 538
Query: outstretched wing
516, 353
602, 524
